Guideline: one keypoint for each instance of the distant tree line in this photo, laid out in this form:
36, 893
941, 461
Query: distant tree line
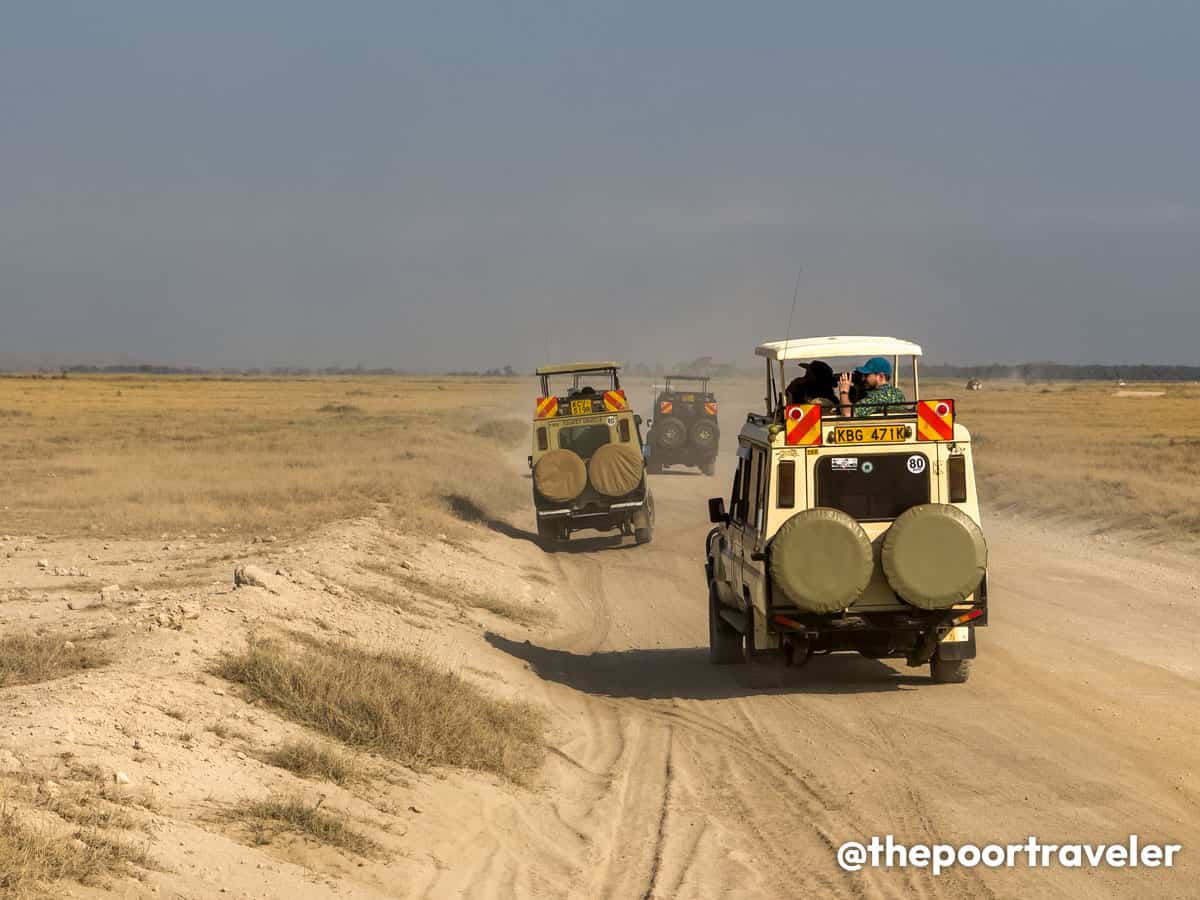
1050, 371
704, 365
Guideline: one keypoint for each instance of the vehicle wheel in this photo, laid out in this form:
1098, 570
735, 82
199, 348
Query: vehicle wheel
704, 434
551, 535
653, 466
670, 433
949, 671
642, 535
724, 641
709, 468
764, 668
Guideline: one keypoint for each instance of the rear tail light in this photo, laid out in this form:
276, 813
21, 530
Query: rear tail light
956, 469
787, 484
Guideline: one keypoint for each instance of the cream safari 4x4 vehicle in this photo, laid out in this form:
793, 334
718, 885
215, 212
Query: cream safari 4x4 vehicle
588, 467
857, 534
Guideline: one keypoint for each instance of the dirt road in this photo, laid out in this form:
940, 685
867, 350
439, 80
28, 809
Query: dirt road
678, 779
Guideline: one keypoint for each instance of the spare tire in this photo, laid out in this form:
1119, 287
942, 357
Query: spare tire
705, 434
560, 476
616, 469
821, 559
670, 433
934, 556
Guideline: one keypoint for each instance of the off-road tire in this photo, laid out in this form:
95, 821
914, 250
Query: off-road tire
765, 669
709, 467
551, 535
670, 433
653, 466
724, 641
705, 434
949, 671
642, 535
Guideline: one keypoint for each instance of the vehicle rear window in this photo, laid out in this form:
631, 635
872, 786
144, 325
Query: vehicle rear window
583, 440
875, 487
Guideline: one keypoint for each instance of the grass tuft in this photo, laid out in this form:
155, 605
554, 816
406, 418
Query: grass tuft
397, 704
308, 759
31, 857
29, 658
277, 815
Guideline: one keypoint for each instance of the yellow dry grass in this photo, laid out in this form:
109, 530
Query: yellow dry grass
31, 658
1082, 452
145, 455
399, 704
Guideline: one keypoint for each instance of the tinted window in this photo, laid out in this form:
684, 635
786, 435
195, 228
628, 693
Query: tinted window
584, 440
880, 486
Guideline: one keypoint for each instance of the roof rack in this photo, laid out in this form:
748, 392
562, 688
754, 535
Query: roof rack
572, 368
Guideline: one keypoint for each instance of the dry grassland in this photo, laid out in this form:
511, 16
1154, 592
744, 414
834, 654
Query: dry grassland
30, 658
399, 705
1081, 452
140, 456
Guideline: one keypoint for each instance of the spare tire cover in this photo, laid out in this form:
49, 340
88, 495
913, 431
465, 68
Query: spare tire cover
670, 433
934, 556
705, 434
821, 559
616, 469
560, 476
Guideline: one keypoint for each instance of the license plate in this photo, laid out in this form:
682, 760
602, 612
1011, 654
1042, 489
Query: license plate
871, 434
581, 407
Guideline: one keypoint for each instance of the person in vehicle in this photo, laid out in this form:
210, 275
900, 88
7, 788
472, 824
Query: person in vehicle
814, 386
879, 392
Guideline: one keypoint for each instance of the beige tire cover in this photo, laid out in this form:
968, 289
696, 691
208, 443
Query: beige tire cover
560, 476
821, 559
616, 469
934, 556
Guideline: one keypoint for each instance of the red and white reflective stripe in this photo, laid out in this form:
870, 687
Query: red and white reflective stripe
966, 617
935, 420
802, 425
547, 407
615, 400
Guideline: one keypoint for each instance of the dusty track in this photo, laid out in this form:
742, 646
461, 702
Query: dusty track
674, 778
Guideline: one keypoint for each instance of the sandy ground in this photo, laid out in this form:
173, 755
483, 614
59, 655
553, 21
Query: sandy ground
666, 777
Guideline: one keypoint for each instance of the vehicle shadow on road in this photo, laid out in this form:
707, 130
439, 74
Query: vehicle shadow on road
469, 511
685, 673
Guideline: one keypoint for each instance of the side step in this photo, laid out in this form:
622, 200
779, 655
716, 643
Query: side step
735, 617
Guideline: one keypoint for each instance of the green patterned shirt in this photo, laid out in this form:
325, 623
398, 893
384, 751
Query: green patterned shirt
872, 402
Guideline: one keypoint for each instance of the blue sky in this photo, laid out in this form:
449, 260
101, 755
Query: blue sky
468, 185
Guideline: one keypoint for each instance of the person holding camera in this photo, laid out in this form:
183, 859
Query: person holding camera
878, 392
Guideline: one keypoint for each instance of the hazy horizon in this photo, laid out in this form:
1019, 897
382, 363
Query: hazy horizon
472, 187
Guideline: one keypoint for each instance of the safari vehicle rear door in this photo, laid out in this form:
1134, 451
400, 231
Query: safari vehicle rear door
753, 572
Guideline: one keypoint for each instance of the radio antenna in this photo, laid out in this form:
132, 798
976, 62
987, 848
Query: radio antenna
787, 335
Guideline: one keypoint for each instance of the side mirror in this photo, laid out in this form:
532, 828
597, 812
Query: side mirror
716, 511
637, 420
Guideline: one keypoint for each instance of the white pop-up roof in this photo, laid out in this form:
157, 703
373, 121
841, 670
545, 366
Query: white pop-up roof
843, 345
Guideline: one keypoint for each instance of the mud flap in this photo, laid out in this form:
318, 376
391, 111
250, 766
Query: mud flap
956, 645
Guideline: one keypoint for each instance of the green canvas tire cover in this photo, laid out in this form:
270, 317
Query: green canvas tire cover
934, 556
821, 559
616, 469
560, 476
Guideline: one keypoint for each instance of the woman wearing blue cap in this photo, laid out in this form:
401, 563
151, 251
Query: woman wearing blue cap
877, 375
